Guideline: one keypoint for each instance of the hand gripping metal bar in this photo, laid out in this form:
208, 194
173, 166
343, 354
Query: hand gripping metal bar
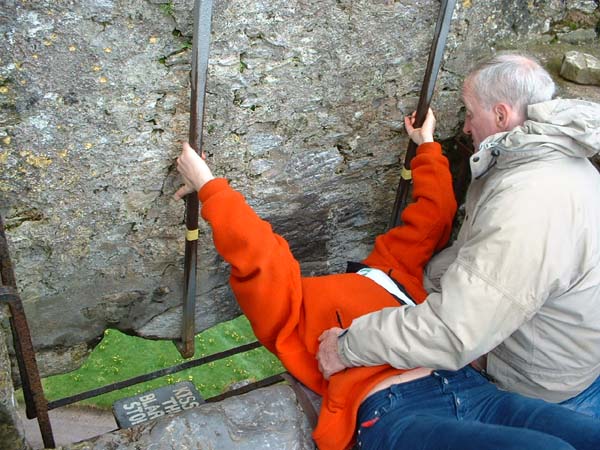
433, 66
200, 52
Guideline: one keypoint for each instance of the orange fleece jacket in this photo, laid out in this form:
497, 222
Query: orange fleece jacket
288, 312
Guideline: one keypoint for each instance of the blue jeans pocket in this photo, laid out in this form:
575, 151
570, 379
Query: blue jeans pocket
371, 414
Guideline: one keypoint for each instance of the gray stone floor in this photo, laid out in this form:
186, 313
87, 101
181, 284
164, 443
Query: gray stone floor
70, 425
265, 418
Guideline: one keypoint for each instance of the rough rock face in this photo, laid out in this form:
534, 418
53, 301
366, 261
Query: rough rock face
265, 418
304, 115
581, 68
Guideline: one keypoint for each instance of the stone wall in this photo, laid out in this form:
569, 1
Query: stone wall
304, 115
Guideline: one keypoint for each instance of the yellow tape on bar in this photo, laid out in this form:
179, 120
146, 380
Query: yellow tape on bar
191, 235
406, 174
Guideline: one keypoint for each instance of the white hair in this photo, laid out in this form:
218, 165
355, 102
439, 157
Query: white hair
516, 79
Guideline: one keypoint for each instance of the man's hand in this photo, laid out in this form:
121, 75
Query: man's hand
193, 170
327, 356
423, 134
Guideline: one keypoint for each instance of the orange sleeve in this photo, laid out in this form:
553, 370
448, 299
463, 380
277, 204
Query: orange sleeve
265, 277
426, 223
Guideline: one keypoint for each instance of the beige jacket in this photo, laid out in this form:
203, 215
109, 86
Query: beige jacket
522, 281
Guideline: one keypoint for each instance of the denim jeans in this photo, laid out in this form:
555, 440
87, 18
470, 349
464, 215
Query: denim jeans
462, 410
588, 402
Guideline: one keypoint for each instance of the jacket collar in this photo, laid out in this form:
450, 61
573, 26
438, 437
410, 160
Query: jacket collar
554, 129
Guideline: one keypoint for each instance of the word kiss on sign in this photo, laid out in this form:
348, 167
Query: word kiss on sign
156, 403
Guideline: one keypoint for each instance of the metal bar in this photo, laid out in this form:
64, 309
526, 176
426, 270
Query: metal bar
19, 355
8, 294
433, 66
200, 52
151, 376
36, 404
6, 272
273, 379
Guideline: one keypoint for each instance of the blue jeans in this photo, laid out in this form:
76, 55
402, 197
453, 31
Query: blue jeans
588, 402
462, 410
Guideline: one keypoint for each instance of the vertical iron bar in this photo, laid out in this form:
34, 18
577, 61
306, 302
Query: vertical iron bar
200, 53
433, 66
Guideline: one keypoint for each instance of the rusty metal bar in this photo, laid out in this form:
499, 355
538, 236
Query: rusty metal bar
6, 271
36, 403
152, 375
8, 294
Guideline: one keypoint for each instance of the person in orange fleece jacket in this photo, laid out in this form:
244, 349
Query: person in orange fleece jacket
288, 312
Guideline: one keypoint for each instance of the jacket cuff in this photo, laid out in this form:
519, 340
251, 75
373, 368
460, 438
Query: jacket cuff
429, 147
211, 188
343, 349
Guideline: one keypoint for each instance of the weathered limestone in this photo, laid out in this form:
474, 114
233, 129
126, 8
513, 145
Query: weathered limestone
578, 36
265, 418
585, 6
581, 68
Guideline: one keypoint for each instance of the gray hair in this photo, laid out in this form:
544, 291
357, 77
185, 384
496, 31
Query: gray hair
512, 78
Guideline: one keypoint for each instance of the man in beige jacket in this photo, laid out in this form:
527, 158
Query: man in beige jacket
522, 281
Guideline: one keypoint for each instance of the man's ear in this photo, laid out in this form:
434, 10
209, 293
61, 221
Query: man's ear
502, 116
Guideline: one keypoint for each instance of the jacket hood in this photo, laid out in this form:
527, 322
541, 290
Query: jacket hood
554, 129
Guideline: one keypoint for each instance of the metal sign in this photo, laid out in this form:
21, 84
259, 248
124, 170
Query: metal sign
159, 402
